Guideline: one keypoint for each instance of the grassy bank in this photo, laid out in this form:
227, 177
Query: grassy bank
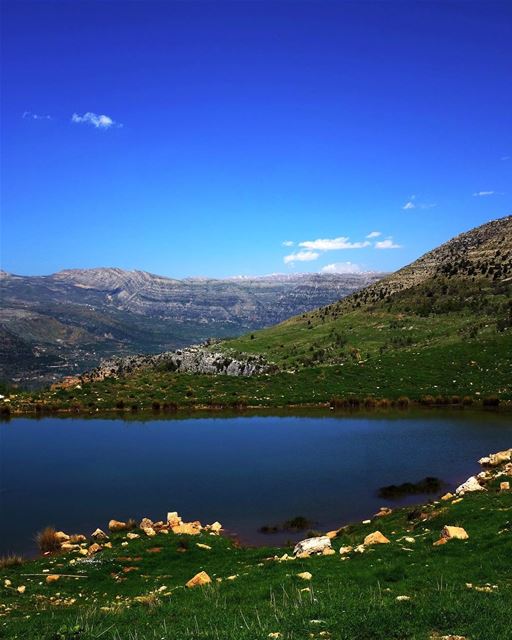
441, 373
408, 589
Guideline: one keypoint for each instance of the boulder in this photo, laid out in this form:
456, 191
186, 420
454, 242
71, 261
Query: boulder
344, 550
199, 580
331, 534
117, 525
99, 535
149, 531
384, 511
495, 459
216, 527
52, 578
132, 536
173, 519
504, 486
469, 486
187, 528
145, 523
312, 545
375, 538
61, 536
94, 548
451, 533
447, 496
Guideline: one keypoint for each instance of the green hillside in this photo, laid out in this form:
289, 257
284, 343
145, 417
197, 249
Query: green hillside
438, 328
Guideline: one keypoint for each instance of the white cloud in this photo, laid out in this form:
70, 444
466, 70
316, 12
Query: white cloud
341, 267
332, 244
301, 256
413, 203
374, 234
288, 243
97, 121
387, 244
35, 116
479, 194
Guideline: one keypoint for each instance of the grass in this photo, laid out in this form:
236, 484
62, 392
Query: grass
136, 593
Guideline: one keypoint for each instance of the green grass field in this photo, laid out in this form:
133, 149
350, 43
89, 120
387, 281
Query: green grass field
137, 591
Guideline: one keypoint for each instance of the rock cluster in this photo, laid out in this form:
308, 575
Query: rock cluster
195, 359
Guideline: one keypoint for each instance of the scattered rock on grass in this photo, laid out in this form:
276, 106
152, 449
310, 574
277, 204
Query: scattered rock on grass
199, 580
310, 546
375, 538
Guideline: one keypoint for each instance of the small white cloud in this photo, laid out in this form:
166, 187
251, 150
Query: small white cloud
409, 205
413, 203
341, 267
35, 116
479, 194
387, 244
301, 256
288, 243
374, 234
97, 121
333, 244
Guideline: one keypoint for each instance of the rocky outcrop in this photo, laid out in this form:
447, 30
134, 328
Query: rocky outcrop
196, 359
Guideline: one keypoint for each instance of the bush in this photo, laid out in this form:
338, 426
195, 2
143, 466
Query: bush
10, 560
491, 401
47, 540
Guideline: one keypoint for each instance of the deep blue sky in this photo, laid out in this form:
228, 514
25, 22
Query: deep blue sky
247, 124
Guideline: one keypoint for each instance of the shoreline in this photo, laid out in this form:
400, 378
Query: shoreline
347, 407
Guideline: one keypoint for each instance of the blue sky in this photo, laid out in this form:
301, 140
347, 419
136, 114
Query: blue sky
191, 138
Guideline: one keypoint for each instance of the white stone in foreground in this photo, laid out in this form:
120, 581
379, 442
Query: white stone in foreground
469, 486
312, 545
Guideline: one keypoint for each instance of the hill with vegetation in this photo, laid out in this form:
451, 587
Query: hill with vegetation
61, 324
437, 331
440, 571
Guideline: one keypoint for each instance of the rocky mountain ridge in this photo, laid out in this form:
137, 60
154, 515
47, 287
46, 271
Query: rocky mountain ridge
65, 323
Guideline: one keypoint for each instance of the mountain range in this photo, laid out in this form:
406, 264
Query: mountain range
64, 323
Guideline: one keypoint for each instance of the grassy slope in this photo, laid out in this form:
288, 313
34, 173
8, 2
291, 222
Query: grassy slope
353, 599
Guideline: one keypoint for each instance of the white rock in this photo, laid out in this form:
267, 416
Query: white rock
469, 486
312, 545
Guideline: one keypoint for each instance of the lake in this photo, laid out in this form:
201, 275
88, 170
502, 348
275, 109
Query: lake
245, 471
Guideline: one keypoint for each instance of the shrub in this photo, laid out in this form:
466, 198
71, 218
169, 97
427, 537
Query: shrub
467, 400
47, 540
491, 401
10, 560
155, 406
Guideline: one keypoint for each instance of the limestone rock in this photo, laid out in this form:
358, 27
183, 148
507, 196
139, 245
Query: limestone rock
61, 536
116, 525
331, 534
504, 486
216, 527
99, 535
94, 548
344, 550
173, 519
132, 536
312, 545
199, 580
305, 575
52, 578
469, 486
450, 533
149, 531
495, 459
187, 528
375, 538
384, 511
146, 523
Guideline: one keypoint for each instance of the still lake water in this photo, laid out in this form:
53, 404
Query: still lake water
245, 471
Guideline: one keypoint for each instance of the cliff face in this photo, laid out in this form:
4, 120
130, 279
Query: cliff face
195, 359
